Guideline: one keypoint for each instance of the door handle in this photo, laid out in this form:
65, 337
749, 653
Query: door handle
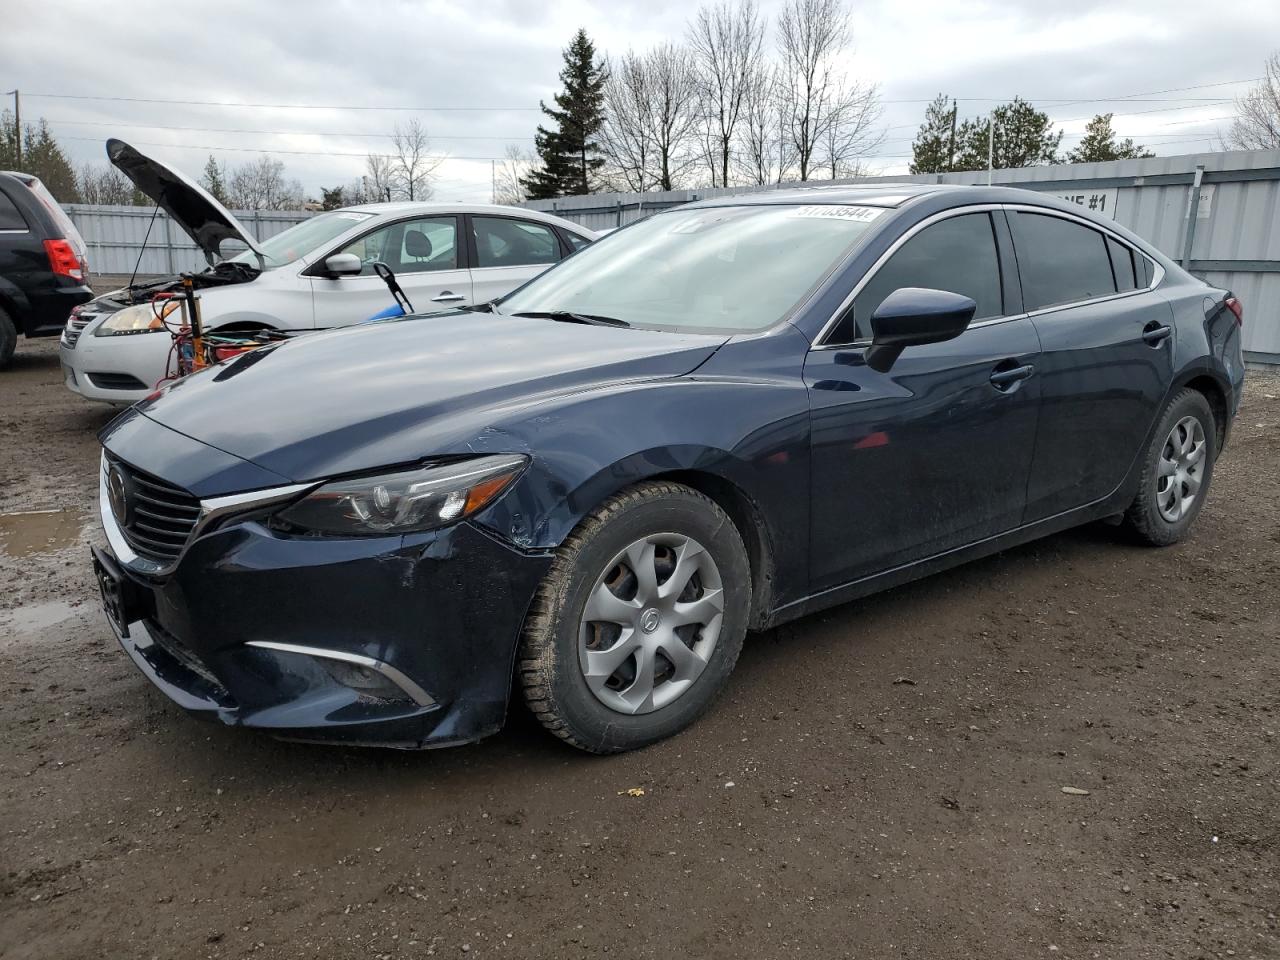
1154, 332
448, 296
1005, 378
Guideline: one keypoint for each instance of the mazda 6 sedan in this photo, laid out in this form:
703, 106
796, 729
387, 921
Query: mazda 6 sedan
712, 421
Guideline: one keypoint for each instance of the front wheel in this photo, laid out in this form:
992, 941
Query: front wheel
8, 339
1176, 471
640, 620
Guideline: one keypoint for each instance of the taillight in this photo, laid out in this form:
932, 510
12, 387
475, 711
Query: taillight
63, 260
1236, 307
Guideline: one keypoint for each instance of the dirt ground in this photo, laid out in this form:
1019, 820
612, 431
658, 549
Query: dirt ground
884, 780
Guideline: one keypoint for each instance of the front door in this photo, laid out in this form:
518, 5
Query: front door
935, 453
423, 253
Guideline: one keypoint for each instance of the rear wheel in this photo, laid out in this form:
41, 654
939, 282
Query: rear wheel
640, 621
1176, 472
8, 338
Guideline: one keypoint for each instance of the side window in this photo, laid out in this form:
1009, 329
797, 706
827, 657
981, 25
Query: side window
1060, 261
504, 242
1122, 266
957, 255
10, 215
414, 246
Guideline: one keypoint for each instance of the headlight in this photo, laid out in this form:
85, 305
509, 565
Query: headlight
404, 502
140, 318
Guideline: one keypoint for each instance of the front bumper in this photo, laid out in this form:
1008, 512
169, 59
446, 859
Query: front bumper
119, 370
248, 628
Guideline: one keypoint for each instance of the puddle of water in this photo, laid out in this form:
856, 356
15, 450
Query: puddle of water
36, 616
38, 531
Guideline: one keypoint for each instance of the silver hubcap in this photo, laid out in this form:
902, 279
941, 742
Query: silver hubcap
651, 623
1181, 469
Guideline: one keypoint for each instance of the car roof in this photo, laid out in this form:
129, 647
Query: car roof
404, 208
868, 194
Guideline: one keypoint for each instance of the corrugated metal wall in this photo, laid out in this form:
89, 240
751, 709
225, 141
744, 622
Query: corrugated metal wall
1234, 226
115, 234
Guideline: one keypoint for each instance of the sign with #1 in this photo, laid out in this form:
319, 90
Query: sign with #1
1102, 202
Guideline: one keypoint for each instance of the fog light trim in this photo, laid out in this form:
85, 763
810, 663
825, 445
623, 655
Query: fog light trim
415, 692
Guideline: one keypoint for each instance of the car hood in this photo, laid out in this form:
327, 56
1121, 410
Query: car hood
388, 393
201, 216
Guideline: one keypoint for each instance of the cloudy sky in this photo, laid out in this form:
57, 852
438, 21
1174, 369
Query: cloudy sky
473, 71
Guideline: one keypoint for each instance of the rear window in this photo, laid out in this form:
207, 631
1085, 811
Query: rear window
63, 222
10, 215
1060, 261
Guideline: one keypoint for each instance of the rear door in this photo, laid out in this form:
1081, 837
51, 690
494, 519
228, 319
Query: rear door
1106, 363
935, 453
507, 251
424, 254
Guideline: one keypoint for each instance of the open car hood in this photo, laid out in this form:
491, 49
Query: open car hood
205, 220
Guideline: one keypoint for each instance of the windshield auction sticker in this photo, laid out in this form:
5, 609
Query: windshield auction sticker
835, 211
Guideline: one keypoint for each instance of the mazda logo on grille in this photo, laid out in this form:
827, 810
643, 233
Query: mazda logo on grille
118, 494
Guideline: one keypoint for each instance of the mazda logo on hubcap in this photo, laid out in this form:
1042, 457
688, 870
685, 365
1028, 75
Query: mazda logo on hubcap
649, 620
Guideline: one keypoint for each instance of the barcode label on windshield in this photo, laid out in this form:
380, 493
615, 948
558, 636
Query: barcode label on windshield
834, 211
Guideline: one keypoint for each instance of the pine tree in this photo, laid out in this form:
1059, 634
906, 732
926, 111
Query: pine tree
1099, 143
42, 156
332, 199
570, 153
214, 180
1023, 138
935, 142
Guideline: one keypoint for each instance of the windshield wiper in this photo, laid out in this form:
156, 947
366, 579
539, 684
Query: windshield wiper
568, 316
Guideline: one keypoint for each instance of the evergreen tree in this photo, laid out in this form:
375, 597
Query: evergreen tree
1023, 138
41, 156
331, 199
935, 142
569, 153
1099, 143
214, 180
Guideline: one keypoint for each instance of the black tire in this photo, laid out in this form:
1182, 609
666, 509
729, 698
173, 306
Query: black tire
1143, 517
8, 339
549, 666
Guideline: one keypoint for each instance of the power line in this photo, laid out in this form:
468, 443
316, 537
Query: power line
298, 153
276, 106
276, 133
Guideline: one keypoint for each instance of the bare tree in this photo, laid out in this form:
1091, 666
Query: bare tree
727, 43
261, 185
411, 163
379, 176
626, 137
508, 186
103, 185
851, 133
814, 94
1257, 124
673, 114
762, 154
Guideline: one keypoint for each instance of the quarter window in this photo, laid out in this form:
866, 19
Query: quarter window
957, 255
1122, 266
504, 242
411, 246
576, 242
1060, 261
10, 216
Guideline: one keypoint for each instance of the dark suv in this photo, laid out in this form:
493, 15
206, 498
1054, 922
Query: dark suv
43, 273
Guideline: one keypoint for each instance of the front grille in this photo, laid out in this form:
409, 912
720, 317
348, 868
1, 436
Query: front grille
116, 381
75, 326
157, 517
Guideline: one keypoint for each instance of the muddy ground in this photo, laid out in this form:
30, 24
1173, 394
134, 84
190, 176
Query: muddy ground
884, 780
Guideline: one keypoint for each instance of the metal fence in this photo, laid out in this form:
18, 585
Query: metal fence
115, 234
1218, 214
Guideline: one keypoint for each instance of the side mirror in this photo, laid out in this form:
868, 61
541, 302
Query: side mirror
343, 265
911, 316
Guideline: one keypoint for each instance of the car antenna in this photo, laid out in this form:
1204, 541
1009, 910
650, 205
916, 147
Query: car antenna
137, 263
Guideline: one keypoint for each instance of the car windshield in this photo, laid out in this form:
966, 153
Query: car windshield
302, 239
709, 269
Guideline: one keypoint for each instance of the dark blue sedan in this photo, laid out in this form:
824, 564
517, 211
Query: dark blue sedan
715, 420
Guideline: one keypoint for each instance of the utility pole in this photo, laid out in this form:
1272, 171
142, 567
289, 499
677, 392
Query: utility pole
951, 154
17, 125
493, 181
991, 145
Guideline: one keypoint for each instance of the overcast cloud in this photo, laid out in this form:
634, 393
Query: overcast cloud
505, 54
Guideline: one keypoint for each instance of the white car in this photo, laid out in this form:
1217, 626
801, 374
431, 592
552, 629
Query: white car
313, 276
